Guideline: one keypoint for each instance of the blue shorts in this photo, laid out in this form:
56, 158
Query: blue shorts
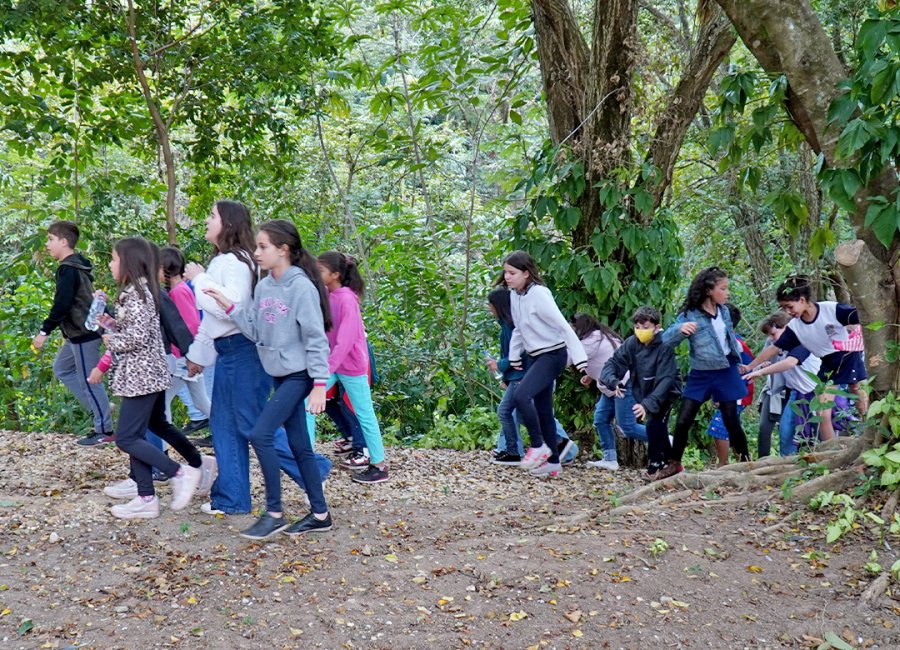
717, 427
723, 385
843, 368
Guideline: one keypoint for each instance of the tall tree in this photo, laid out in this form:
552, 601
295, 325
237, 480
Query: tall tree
789, 39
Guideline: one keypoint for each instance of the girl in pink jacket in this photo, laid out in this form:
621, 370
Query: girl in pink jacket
348, 362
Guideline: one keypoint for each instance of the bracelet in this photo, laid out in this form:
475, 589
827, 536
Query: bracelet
230, 309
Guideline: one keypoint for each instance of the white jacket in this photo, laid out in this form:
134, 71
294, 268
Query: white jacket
541, 327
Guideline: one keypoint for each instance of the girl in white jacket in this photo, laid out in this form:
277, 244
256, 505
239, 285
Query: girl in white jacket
539, 343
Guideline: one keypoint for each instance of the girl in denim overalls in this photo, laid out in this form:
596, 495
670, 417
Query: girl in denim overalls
714, 357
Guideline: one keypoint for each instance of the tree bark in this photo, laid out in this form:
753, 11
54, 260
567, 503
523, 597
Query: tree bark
788, 38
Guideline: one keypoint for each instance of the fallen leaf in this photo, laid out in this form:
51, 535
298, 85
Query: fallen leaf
754, 569
518, 616
574, 616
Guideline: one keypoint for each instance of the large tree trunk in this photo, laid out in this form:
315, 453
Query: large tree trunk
788, 38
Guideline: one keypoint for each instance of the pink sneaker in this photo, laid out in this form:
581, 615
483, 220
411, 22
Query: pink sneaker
535, 457
550, 470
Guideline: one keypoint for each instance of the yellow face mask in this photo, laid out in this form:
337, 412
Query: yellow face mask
644, 336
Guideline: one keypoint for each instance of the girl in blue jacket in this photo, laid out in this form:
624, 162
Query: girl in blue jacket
715, 356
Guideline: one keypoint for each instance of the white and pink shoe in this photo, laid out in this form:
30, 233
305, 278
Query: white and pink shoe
535, 457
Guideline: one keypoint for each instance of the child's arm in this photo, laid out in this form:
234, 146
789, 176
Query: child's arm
349, 332
678, 331
666, 378
67, 279
313, 339
787, 341
615, 368
795, 357
236, 282
245, 319
515, 350
102, 368
549, 312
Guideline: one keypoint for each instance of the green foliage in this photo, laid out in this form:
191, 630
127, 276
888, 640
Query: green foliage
866, 114
475, 429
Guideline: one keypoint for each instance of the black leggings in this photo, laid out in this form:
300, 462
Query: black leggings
534, 399
730, 418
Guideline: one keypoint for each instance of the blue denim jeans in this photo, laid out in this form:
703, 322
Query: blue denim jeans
509, 425
286, 408
787, 428
620, 408
240, 391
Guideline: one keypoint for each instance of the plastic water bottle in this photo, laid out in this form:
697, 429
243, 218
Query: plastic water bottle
497, 375
98, 306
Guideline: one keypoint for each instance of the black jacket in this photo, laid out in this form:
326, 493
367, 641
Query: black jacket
655, 379
72, 300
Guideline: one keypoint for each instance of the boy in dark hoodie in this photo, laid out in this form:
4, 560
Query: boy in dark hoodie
655, 381
81, 347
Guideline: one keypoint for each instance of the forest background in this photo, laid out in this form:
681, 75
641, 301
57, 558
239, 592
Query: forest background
625, 144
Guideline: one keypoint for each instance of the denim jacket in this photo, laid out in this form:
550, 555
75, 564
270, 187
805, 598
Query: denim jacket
705, 351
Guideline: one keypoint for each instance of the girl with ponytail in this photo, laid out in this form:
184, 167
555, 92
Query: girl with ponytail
348, 363
288, 320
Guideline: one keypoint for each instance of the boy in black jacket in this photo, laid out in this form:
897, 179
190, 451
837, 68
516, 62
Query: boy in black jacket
655, 381
81, 347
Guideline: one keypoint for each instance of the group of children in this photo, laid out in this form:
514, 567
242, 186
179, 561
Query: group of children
279, 327
639, 379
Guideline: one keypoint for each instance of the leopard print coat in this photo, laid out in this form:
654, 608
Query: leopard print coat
139, 360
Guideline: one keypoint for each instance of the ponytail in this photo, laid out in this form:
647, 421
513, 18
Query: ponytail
347, 269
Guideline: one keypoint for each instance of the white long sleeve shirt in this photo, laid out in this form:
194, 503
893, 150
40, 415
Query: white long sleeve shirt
541, 327
234, 279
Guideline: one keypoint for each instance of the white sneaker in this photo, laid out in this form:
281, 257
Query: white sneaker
210, 469
207, 508
137, 508
184, 486
551, 470
126, 489
611, 465
535, 457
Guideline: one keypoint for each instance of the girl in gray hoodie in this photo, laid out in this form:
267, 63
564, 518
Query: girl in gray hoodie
287, 320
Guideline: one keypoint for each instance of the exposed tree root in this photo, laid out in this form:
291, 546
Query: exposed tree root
836, 481
873, 591
755, 481
890, 505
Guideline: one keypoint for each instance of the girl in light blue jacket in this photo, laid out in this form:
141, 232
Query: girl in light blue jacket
715, 356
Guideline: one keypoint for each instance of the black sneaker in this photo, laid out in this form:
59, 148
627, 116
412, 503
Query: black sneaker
96, 438
505, 458
267, 526
371, 475
205, 441
309, 524
196, 425
356, 460
159, 477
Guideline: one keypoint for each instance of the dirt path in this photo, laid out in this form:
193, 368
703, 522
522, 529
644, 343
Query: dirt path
452, 553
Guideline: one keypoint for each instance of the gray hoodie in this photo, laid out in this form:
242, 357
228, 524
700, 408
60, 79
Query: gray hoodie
286, 323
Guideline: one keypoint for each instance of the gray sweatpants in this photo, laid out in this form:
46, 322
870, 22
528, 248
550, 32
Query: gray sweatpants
72, 366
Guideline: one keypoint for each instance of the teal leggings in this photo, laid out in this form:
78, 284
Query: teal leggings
357, 388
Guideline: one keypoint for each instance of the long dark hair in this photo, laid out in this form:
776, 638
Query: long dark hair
346, 268
139, 261
237, 234
499, 298
524, 262
700, 287
794, 288
284, 233
171, 260
584, 324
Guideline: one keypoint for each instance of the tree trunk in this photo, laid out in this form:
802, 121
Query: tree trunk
788, 38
